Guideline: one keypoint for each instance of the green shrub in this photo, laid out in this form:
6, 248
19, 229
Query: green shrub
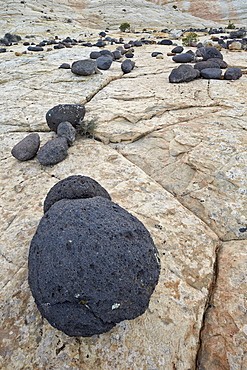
87, 128
230, 26
124, 27
191, 37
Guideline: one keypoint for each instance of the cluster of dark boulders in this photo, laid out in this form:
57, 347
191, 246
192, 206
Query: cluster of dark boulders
209, 66
64, 119
91, 263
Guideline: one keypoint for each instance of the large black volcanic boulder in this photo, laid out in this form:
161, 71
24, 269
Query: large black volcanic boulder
74, 187
91, 265
73, 113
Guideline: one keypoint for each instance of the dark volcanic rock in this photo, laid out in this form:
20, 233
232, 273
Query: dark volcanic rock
208, 53
73, 113
127, 65
221, 62
91, 265
54, 151
11, 37
155, 53
65, 129
232, 73
237, 34
85, 67
74, 187
27, 148
183, 58
94, 54
206, 64
208, 73
104, 62
177, 50
64, 66
106, 52
165, 42
116, 55
35, 48
183, 73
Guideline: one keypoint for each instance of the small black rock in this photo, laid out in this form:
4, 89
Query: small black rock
208, 53
165, 42
183, 58
27, 148
64, 66
73, 113
155, 53
53, 152
177, 50
91, 265
35, 48
65, 129
206, 64
94, 54
74, 187
127, 65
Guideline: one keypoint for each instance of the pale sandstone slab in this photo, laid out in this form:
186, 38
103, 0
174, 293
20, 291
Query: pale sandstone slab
224, 335
167, 334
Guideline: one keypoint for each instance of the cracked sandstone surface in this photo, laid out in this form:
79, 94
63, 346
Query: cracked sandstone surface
172, 155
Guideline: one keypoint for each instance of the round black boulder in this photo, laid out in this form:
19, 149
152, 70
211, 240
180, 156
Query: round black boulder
177, 50
206, 64
74, 187
65, 129
183, 73
208, 53
73, 113
104, 62
232, 73
211, 73
26, 148
85, 67
91, 265
127, 65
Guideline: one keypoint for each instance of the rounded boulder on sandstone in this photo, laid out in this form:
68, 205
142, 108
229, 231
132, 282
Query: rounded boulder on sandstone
104, 62
211, 73
208, 53
183, 58
206, 64
74, 187
232, 73
27, 148
85, 67
91, 265
127, 65
53, 152
73, 113
183, 73
177, 49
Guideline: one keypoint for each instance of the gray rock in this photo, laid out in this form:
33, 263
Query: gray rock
106, 53
183, 58
214, 73
74, 187
155, 53
64, 66
232, 73
238, 34
177, 49
73, 113
221, 62
85, 67
54, 151
65, 129
91, 265
206, 64
165, 42
183, 73
104, 62
94, 54
127, 65
208, 53
27, 148
116, 54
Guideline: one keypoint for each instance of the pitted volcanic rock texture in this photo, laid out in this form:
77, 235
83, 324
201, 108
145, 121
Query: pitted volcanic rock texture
91, 265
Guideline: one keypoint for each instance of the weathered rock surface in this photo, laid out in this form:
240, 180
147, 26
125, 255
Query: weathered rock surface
176, 159
27, 148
